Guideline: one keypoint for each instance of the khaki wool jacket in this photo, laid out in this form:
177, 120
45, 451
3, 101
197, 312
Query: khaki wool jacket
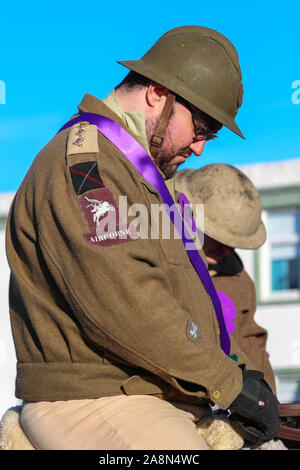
98, 319
233, 280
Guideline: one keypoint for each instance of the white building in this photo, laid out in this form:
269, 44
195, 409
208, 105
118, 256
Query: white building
275, 269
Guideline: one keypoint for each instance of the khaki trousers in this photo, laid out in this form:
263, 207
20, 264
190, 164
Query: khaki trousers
136, 422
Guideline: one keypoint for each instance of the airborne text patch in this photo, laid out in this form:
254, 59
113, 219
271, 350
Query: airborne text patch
102, 215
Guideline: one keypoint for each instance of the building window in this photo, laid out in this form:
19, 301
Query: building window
284, 233
280, 255
288, 386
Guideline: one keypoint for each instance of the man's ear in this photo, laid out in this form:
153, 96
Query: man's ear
156, 94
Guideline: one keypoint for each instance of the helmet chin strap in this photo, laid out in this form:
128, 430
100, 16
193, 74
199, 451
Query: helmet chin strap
157, 139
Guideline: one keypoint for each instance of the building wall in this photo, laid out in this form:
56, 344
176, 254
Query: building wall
279, 312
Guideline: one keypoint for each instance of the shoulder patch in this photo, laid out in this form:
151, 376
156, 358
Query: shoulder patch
85, 176
102, 216
83, 138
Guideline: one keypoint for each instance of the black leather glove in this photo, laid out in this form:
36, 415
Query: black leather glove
262, 419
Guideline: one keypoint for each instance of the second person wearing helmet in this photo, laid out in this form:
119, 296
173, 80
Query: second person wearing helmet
232, 219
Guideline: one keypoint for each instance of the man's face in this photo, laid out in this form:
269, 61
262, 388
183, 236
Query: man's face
179, 140
214, 250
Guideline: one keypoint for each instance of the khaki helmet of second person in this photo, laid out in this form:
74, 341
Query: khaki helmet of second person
232, 206
200, 65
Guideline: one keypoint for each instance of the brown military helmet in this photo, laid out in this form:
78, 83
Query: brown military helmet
200, 65
232, 206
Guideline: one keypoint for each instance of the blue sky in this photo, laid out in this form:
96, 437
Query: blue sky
51, 54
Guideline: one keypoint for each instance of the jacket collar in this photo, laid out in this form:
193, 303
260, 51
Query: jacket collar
91, 104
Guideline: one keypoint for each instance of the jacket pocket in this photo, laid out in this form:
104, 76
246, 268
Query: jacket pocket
162, 229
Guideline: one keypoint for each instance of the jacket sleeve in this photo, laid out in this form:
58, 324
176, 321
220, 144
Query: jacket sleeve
238, 355
248, 340
252, 340
124, 301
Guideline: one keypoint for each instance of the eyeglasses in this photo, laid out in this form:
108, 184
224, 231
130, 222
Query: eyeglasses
201, 132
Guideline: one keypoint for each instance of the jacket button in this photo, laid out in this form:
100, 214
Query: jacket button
216, 394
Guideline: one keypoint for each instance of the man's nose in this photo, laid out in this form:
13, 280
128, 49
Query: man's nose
197, 147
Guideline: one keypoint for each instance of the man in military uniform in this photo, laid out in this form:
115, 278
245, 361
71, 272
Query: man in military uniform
107, 324
232, 219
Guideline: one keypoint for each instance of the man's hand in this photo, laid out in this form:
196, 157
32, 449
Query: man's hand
258, 405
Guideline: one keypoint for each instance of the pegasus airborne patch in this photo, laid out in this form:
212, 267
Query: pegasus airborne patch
102, 215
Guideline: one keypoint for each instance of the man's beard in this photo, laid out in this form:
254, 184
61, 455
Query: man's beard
164, 157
